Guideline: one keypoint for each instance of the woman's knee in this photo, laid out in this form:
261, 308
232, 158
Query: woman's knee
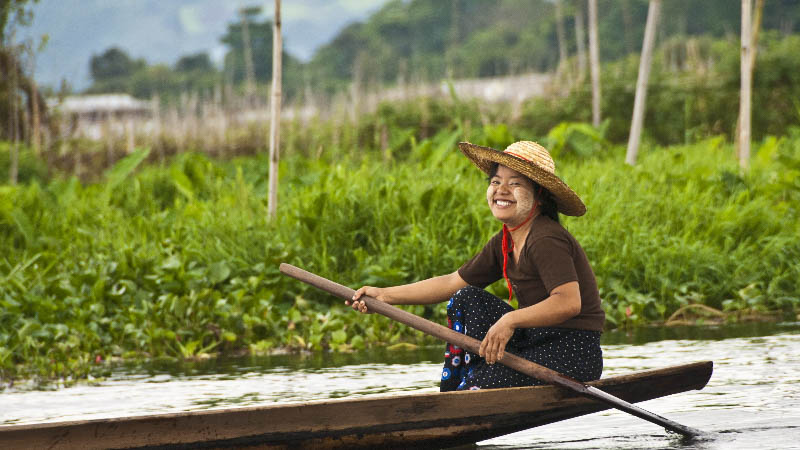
467, 292
462, 298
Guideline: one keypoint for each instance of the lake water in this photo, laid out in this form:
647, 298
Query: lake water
751, 402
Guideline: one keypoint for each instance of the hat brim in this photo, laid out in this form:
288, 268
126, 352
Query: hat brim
567, 201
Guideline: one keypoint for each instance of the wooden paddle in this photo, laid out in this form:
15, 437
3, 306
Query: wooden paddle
513, 361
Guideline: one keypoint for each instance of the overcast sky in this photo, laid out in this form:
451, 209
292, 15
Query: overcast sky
160, 31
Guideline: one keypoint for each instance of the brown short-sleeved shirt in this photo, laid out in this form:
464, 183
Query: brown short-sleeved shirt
551, 257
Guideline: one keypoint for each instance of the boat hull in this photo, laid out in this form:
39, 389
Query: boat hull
422, 420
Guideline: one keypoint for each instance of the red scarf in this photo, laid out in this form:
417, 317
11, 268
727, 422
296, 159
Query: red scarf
508, 249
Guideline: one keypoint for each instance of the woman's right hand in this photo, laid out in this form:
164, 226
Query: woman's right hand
374, 292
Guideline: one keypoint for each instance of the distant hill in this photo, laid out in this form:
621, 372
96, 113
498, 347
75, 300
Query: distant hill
428, 39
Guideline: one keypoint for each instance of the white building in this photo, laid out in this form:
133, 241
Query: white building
95, 116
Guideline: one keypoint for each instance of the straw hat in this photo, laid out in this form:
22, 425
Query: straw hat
533, 161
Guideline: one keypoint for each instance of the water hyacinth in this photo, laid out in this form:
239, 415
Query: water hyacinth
181, 260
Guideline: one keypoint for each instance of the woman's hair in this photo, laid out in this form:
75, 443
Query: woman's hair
547, 203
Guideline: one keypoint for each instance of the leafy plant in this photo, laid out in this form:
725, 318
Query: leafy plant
181, 260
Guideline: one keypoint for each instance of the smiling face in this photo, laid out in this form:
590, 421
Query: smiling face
510, 196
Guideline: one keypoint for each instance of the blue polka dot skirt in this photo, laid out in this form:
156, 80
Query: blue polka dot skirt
472, 311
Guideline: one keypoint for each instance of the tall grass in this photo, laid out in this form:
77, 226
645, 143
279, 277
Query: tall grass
181, 260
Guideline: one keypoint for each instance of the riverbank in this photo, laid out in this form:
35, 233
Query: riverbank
181, 260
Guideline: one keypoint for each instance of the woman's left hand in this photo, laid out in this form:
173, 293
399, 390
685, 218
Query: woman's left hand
494, 344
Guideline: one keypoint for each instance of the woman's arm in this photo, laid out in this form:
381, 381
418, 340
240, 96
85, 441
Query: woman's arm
564, 303
425, 292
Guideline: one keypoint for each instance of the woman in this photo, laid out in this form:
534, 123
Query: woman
559, 320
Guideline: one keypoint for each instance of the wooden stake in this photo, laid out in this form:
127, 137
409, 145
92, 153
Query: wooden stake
13, 167
155, 135
580, 38
107, 130
594, 57
35, 135
129, 136
746, 84
753, 51
560, 35
248, 59
275, 112
641, 82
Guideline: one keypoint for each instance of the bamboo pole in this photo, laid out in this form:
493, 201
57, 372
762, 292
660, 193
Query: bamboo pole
560, 35
13, 167
275, 112
356, 88
248, 59
641, 82
129, 136
580, 39
627, 26
753, 51
759, 13
35, 119
594, 57
156, 142
107, 130
746, 84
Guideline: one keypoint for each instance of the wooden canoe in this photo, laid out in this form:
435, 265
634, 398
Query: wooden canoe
408, 420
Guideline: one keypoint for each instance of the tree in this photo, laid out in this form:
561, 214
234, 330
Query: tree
114, 63
261, 38
250, 75
259, 43
14, 12
641, 82
14, 79
197, 62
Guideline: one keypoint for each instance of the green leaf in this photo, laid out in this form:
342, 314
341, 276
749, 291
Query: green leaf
171, 263
357, 342
338, 336
182, 182
402, 346
218, 272
124, 167
229, 336
24, 226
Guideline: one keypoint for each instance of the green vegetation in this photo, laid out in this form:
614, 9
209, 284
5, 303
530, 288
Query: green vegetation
428, 40
180, 260
693, 93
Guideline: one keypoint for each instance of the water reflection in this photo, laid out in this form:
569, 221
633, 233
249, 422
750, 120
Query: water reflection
752, 400
645, 335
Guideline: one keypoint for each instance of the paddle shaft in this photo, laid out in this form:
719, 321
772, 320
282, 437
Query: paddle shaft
509, 359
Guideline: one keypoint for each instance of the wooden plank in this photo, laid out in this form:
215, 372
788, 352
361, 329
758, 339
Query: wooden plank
402, 421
